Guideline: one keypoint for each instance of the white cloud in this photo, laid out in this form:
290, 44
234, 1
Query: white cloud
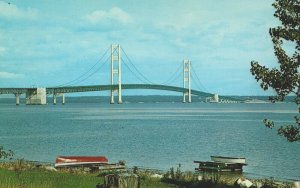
114, 14
11, 11
9, 75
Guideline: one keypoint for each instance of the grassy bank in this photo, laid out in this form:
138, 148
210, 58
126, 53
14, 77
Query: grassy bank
22, 174
39, 178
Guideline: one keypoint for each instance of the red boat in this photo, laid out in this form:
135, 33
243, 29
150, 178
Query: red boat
76, 161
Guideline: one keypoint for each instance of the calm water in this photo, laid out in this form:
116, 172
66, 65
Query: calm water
154, 135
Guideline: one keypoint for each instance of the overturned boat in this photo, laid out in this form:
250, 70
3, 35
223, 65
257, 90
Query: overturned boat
221, 159
80, 161
222, 164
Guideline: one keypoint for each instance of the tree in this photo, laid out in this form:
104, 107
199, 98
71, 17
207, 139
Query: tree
5, 154
285, 79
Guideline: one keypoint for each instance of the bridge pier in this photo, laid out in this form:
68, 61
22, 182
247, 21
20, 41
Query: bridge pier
54, 99
112, 98
120, 95
17, 98
36, 96
63, 99
55, 95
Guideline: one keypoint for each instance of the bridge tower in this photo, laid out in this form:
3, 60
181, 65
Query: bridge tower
116, 72
187, 80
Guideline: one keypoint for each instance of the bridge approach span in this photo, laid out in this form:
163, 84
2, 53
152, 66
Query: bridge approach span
13, 90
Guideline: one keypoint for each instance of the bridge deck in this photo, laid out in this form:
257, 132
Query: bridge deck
13, 90
90, 88
74, 89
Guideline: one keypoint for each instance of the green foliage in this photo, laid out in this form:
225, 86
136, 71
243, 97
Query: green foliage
172, 173
178, 175
268, 123
5, 154
135, 170
284, 80
190, 179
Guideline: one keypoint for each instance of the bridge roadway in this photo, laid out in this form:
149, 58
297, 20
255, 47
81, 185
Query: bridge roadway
74, 89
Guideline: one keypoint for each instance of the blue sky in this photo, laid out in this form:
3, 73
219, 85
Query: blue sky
48, 43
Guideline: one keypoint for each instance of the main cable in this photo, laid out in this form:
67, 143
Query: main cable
90, 75
196, 83
136, 68
132, 71
82, 75
171, 79
194, 72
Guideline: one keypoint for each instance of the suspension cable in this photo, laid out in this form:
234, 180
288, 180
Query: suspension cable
136, 76
136, 68
194, 72
90, 75
173, 77
196, 83
82, 75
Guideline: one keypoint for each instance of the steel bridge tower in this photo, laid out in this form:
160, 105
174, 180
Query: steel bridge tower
116, 72
187, 80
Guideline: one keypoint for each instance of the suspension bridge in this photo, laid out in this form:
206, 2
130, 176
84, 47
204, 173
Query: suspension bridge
39, 95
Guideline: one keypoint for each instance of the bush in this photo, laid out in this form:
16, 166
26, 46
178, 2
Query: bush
5, 154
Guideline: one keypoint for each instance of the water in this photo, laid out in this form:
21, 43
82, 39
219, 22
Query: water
154, 135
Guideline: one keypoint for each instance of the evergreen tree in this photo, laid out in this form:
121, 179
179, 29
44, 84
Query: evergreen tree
285, 79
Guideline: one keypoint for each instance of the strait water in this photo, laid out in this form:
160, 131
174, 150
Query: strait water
154, 135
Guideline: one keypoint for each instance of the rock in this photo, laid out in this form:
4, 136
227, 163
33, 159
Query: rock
50, 168
297, 184
258, 184
156, 176
243, 183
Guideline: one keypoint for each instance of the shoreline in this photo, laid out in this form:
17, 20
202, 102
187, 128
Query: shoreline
252, 176
178, 177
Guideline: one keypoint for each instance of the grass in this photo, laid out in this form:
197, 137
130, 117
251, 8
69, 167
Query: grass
39, 178
22, 174
155, 183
